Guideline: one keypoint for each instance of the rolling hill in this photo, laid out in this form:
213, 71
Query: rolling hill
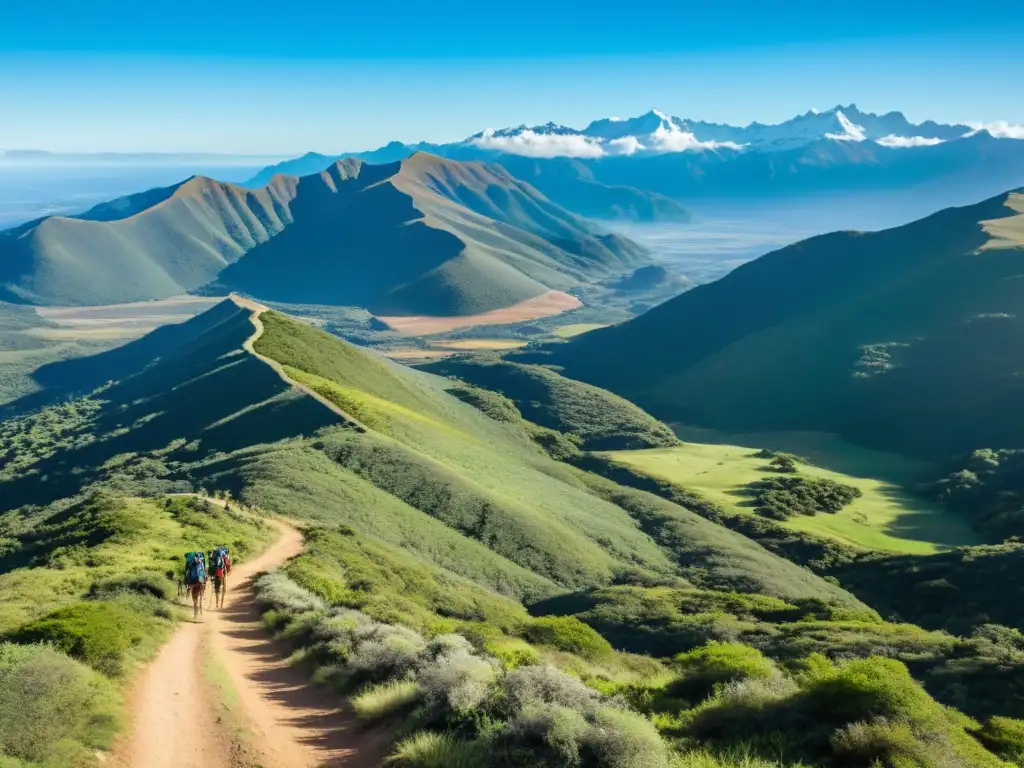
423, 236
906, 339
439, 521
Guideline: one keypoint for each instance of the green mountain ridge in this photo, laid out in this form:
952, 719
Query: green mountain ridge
906, 339
423, 236
443, 519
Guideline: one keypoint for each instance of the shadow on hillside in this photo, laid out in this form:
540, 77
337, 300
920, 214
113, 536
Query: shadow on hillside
201, 389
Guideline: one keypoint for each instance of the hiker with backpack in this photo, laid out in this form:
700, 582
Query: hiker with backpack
195, 580
220, 567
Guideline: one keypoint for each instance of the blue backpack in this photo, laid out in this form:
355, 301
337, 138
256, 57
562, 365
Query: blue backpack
195, 568
218, 558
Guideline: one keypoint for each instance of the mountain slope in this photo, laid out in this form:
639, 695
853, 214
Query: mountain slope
647, 167
421, 237
164, 244
424, 471
571, 186
872, 335
440, 538
462, 238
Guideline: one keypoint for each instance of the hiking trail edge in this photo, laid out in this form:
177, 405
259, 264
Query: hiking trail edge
176, 719
258, 309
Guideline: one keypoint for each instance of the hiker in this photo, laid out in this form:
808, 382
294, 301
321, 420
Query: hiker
195, 580
220, 567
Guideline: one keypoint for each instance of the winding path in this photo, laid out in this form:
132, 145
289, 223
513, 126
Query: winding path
288, 722
258, 309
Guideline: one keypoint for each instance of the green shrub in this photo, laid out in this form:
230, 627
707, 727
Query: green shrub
535, 686
540, 736
53, 710
150, 583
567, 633
784, 497
437, 750
108, 635
863, 690
512, 652
1005, 737
385, 700
456, 681
702, 670
879, 742
316, 575
621, 739
275, 590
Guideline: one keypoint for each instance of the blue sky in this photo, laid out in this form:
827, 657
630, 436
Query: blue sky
281, 78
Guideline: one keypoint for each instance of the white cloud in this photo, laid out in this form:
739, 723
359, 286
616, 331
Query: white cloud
850, 132
900, 142
532, 144
668, 138
627, 145
1000, 129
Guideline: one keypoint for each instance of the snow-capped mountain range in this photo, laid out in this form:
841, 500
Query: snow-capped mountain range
657, 132
649, 167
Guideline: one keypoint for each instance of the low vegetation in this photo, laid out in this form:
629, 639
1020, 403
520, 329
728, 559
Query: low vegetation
599, 419
721, 703
496, 606
866, 513
86, 590
781, 498
987, 486
54, 711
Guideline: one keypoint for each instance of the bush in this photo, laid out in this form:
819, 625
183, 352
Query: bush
879, 742
437, 750
569, 634
783, 463
381, 651
105, 634
863, 690
275, 590
528, 687
150, 583
512, 652
456, 682
784, 497
385, 700
620, 739
702, 670
1005, 737
53, 710
541, 736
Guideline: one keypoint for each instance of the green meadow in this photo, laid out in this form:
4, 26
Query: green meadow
885, 518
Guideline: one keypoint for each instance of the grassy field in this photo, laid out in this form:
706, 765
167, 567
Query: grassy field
476, 344
823, 449
885, 518
575, 329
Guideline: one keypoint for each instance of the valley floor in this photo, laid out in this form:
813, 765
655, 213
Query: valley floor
885, 518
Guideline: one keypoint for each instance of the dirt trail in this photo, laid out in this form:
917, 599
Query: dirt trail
293, 724
258, 309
